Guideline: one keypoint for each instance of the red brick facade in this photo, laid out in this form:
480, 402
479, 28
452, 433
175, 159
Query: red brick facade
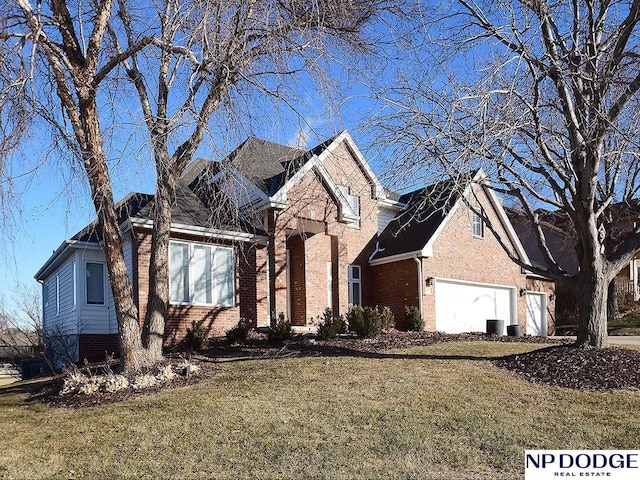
95, 347
458, 255
250, 291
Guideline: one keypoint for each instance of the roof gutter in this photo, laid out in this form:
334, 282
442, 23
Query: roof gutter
204, 232
61, 253
395, 258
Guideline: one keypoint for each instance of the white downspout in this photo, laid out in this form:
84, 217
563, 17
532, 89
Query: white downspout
420, 287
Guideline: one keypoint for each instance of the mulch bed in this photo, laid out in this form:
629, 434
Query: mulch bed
49, 394
601, 370
560, 364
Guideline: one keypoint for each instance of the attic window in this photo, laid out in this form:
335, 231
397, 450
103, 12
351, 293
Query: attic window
354, 203
478, 224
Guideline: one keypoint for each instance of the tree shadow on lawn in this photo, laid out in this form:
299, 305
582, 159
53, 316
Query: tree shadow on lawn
559, 364
292, 350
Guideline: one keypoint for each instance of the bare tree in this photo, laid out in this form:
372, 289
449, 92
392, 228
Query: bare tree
210, 53
544, 97
61, 61
59, 64
21, 323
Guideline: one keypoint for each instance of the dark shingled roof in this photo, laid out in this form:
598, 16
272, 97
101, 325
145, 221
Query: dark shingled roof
267, 164
129, 206
263, 162
413, 228
559, 241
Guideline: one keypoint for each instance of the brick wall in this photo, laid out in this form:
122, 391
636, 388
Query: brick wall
179, 317
94, 347
457, 254
396, 286
310, 201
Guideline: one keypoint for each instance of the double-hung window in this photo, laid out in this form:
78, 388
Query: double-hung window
355, 285
201, 274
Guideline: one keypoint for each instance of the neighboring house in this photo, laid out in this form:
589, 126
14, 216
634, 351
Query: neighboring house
275, 229
16, 343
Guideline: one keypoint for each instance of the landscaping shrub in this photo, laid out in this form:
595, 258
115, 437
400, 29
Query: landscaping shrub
365, 322
331, 325
412, 319
196, 337
388, 320
238, 334
281, 330
355, 318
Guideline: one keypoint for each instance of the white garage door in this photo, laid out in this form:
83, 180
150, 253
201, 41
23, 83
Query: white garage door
465, 307
536, 314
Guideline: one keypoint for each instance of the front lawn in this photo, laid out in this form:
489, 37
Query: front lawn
441, 411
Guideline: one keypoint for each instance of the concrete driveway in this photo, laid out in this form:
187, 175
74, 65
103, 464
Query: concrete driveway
614, 339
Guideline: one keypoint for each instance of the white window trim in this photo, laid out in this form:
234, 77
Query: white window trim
74, 285
352, 281
213, 249
104, 285
57, 294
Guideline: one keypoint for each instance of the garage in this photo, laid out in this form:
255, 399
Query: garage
465, 306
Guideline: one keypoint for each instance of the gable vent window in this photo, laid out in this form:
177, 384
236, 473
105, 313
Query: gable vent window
354, 203
201, 274
478, 225
355, 285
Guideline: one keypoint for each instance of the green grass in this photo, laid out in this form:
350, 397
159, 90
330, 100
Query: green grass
627, 325
440, 412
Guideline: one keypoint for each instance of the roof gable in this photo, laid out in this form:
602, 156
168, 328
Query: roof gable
415, 230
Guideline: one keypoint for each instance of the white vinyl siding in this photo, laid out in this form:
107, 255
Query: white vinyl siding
57, 294
59, 316
201, 274
355, 285
74, 284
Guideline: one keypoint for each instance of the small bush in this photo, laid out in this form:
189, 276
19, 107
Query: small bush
281, 330
196, 337
355, 318
331, 325
388, 320
365, 322
238, 334
412, 319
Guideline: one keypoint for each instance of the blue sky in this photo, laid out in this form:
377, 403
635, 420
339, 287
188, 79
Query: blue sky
52, 205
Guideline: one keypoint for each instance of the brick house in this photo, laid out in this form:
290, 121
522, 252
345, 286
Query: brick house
273, 229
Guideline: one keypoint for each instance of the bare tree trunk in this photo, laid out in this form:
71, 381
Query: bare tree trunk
153, 332
131, 352
592, 304
613, 309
